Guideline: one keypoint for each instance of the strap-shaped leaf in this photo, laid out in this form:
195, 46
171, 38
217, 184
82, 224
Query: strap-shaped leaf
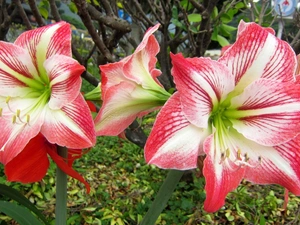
22, 200
19, 213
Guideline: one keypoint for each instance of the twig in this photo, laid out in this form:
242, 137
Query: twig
36, 13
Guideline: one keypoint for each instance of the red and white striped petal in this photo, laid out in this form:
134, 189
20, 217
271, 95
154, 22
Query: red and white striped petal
43, 42
32, 163
174, 143
268, 112
279, 165
140, 66
121, 105
257, 53
72, 126
219, 178
17, 128
65, 81
16, 70
111, 74
202, 84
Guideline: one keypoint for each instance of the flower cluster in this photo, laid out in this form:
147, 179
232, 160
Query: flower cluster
242, 111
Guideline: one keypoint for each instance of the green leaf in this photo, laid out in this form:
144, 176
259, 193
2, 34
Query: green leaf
226, 18
240, 5
222, 41
214, 12
73, 7
16, 196
44, 12
194, 18
20, 214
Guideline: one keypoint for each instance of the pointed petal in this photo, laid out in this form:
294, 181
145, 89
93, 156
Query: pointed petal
268, 111
63, 165
277, 165
32, 163
43, 42
140, 66
257, 53
65, 81
72, 126
16, 70
202, 83
121, 105
174, 143
219, 178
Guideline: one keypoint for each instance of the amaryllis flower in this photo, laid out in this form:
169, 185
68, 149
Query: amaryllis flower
130, 88
40, 93
242, 111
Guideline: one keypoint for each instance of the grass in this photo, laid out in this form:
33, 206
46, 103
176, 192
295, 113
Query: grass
123, 186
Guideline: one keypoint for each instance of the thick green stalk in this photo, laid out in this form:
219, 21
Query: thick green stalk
61, 191
162, 197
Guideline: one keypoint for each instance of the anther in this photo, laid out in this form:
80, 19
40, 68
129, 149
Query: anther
239, 154
227, 153
14, 119
7, 99
27, 118
1, 112
18, 112
246, 157
259, 159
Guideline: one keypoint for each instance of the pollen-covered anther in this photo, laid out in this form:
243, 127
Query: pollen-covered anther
1, 109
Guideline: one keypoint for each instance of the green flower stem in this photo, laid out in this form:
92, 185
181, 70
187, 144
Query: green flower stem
162, 197
61, 191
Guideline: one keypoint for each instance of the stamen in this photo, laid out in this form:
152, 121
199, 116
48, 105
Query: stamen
259, 159
222, 157
1, 112
27, 118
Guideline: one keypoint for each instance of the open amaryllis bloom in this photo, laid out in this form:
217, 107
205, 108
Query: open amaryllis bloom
40, 93
242, 111
130, 88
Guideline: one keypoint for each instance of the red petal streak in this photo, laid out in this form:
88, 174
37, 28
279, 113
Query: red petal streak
202, 83
174, 143
269, 110
32, 163
72, 126
280, 167
65, 81
63, 165
46, 41
220, 179
257, 53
